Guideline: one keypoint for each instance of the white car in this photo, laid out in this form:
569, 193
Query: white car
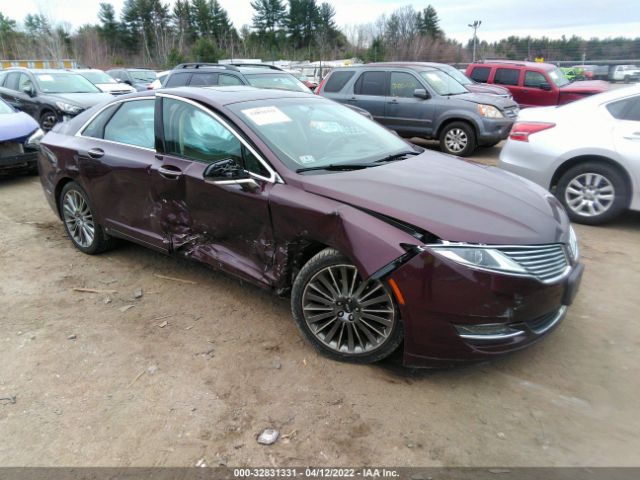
104, 82
586, 152
625, 73
157, 83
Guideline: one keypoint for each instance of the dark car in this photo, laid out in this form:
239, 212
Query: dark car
214, 74
138, 78
379, 242
19, 139
461, 78
534, 84
422, 101
49, 96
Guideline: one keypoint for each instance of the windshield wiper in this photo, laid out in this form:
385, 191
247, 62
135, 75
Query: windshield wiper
397, 156
338, 167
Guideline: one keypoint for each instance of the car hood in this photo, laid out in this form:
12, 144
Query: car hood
115, 87
586, 86
487, 89
487, 99
453, 199
84, 100
16, 126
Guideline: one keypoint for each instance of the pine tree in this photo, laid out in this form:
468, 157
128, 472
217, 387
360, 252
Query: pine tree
269, 15
429, 23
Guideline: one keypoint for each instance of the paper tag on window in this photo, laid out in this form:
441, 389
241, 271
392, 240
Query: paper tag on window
45, 78
306, 159
266, 115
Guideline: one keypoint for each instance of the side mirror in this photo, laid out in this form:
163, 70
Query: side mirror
28, 89
420, 93
128, 82
544, 86
225, 170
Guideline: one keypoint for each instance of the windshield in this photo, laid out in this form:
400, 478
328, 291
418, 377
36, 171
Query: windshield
5, 108
97, 76
143, 75
313, 132
629, 67
64, 82
278, 81
558, 77
443, 83
457, 75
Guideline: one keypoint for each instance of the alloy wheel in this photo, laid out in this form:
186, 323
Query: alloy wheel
48, 121
589, 194
346, 313
456, 140
78, 218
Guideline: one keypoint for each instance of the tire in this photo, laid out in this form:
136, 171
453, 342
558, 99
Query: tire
458, 138
601, 185
493, 144
78, 217
47, 120
344, 329
627, 79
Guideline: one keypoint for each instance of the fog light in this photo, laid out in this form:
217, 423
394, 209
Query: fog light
487, 331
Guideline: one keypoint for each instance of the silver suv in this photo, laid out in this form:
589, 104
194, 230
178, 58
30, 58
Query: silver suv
422, 101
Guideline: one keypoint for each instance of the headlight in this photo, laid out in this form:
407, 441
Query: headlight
483, 258
35, 137
574, 250
489, 111
68, 108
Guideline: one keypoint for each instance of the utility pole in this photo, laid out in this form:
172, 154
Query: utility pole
475, 25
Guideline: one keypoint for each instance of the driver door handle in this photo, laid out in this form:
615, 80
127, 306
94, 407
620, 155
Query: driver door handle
173, 172
633, 136
95, 152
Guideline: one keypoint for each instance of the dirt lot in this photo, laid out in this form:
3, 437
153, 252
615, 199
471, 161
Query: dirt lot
195, 371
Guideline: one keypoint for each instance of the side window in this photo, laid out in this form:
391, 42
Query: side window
3, 77
24, 81
481, 74
192, 133
633, 112
95, 129
132, 124
506, 76
403, 84
177, 80
372, 83
337, 80
203, 79
12, 80
626, 109
534, 79
226, 80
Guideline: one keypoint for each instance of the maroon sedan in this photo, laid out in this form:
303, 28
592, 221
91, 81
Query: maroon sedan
379, 242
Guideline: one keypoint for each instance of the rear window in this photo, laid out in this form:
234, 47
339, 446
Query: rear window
203, 79
626, 109
480, 74
371, 83
506, 76
337, 80
177, 80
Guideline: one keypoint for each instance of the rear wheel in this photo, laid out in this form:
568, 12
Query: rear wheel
79, 221
344, 316
458, 138
593, 193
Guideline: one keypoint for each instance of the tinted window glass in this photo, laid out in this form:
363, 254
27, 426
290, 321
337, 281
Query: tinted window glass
177, 80
506, 76
480, 74
633, 112
403, 84
24, 82
225, 80
12, 81
372, 83
534, 79
627, 109
203, 79
96, 128
337, 80
3, 77
190, 132
132, 124
278, 81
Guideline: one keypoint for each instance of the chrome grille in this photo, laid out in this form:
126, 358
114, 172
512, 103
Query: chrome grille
511, 112
544, 261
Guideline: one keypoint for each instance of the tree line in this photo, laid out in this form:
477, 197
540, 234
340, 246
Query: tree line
157, 34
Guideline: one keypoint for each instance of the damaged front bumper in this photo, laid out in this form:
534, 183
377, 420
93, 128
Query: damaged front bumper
26, 159
454, 314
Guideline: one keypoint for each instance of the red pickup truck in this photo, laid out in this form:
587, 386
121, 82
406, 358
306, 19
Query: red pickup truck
534, 84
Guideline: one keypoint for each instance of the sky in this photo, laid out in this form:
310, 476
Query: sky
500, 18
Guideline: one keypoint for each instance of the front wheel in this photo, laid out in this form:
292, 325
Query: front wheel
344, 316
593, 193
47, 120
458, 138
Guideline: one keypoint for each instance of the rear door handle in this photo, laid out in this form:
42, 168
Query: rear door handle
633, 136
172, 173
95, 153
352, 99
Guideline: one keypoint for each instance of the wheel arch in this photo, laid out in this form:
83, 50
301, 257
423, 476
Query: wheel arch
572, 162
58, 190
453, 119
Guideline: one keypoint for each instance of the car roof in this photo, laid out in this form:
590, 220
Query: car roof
39, 70
407, 65
515, 63
222, 96
252, 70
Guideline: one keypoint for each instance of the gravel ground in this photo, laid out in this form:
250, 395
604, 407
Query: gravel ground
192, 371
